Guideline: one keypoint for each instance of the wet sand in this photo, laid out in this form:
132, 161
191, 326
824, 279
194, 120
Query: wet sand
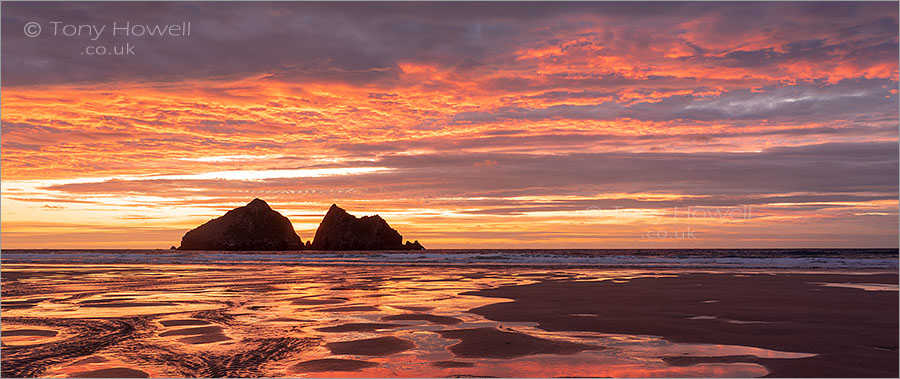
118, 372
493, 343
442, 320
359, 327
853, 332
351, 308
379, 346
31, 332
199, 335
192, 331
307, 301
277, 321
331, 364
183, 322
452, 364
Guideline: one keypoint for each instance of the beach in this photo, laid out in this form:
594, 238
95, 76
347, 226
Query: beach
277, 320
851, 330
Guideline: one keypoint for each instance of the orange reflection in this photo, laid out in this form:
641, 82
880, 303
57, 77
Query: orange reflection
186, 320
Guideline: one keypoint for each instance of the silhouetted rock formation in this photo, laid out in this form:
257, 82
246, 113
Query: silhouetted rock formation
254, 226
340, 230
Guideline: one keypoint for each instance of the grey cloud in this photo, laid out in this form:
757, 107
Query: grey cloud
830, 171
568, 141
704, 205
27, 136
846, 99
362, 43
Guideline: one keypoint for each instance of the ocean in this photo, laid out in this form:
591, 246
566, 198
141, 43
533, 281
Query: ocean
826, 259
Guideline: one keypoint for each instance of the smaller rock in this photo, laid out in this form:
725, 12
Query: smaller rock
413, 245
340, 230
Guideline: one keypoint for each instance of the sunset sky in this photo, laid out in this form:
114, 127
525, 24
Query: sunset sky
464, 125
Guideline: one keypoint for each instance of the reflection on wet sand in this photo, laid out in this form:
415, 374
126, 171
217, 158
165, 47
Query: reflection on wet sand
331, 365
359, 327
378, 346
276, 321
442, 320
115, 372
493, 343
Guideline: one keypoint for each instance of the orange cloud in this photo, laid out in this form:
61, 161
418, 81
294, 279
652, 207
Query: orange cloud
506, 131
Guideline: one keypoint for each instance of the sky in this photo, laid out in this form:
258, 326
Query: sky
464, 125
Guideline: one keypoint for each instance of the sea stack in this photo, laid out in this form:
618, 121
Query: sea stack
340, 230
254, 226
